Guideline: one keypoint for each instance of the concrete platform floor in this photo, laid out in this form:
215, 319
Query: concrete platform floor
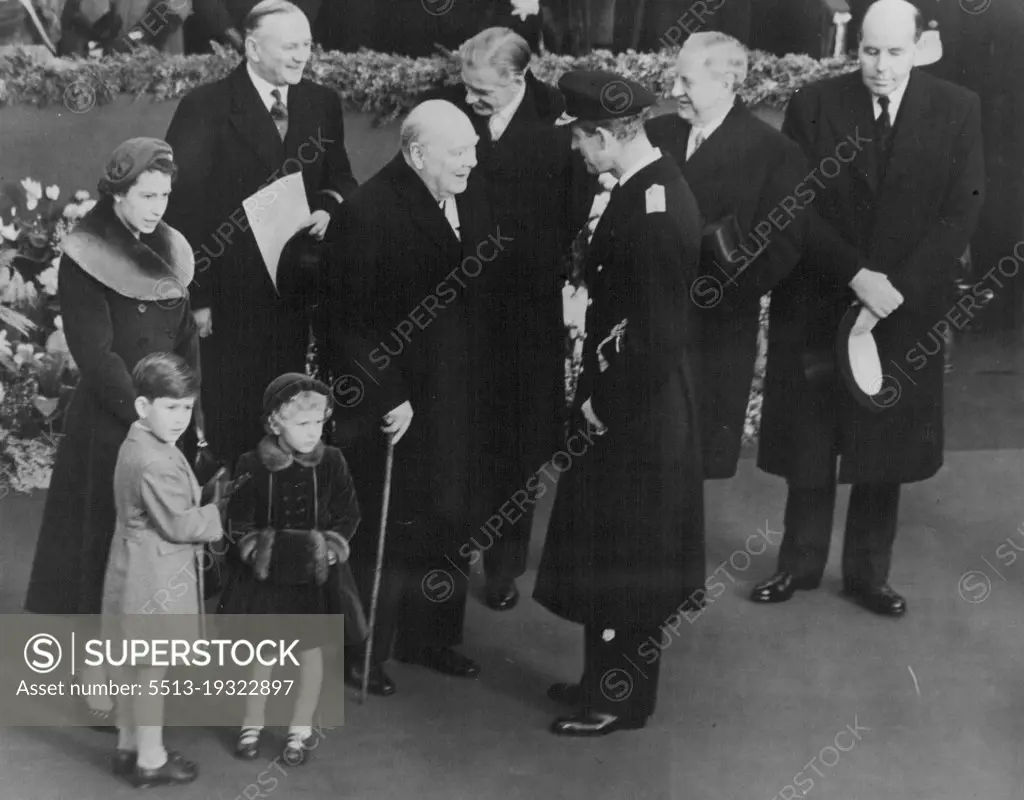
754, 700
751, 696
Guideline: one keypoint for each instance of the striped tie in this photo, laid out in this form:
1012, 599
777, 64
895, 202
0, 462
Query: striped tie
279, 113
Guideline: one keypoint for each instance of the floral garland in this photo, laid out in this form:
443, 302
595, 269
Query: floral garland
382, 83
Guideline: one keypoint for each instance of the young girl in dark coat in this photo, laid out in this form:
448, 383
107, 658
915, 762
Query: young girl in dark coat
290, 520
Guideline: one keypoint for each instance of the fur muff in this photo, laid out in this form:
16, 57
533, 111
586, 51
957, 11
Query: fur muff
301, 558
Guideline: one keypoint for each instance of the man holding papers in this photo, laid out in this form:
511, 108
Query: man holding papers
242, 144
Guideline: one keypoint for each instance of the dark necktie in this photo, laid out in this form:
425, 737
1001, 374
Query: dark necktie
883, 136
279, 113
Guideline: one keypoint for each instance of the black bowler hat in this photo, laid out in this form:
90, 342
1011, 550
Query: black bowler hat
300, 269
859, 363
598, 96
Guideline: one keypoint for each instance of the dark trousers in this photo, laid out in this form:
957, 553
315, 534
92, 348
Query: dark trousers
620, 676
505, 558
867, 543
422, 600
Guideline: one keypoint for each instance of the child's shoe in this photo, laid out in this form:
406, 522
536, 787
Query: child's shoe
248, 745
295, 750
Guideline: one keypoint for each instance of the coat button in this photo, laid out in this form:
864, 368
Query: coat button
600, 267
142, 308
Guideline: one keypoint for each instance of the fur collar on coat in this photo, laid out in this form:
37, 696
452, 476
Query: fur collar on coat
275, 458
156, 267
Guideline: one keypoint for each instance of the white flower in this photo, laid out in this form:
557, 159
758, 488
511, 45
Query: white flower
52, 192
48, 280
87, 206
72, 211
574, 306
1, 392
25, 352
8, 232
32, 188
599, 205
81, 196
31, 203
5, 346
525, 8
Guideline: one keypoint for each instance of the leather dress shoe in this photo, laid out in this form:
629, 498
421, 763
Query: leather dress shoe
879, 599
502, 594
174, 771
590, 723
380, 682
568, 694
444, 660
780, 587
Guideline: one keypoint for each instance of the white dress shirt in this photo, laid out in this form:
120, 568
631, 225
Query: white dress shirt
266, 89
451, 213
705, 131
895, 98
499, 120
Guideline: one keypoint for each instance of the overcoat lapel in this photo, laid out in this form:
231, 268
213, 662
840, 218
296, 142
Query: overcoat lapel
856, 120
253, 122
716, 153
423, 209
301, 117
912, 119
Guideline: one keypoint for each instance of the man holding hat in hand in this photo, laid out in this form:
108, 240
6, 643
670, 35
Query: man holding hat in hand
626, 542
889, 227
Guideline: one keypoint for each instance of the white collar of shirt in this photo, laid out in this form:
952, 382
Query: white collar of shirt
264, 88
705, 130
895, 98
451, 213
500, 119
646, 162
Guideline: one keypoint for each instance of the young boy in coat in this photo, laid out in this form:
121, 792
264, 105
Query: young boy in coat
161, 527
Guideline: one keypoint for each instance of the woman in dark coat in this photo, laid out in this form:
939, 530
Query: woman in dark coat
122, 282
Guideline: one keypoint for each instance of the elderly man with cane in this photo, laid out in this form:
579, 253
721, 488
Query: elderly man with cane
415, 241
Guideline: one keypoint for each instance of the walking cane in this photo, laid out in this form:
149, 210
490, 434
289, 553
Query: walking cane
385, 501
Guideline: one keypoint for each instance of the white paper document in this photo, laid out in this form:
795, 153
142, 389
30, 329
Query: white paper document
276, 213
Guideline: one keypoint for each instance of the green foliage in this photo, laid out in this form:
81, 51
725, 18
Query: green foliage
383, 83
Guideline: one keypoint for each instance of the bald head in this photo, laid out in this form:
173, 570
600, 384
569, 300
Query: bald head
888, 45
432, 121
439, 143
899, 16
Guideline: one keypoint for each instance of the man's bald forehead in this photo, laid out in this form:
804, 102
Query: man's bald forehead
889, 13
433, 118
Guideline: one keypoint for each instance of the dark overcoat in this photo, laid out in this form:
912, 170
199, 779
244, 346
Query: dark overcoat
406, 316
116, 300
913, 225
538, 204
626, 541
747, 169
227, 147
